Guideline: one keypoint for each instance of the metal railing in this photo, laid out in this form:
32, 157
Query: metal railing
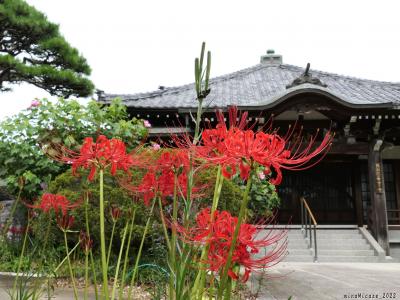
309, 230
393, 216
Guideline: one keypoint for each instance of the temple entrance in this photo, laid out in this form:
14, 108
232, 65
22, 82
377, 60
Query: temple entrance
328, 189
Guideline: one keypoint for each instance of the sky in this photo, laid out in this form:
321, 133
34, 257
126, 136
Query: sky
135, 46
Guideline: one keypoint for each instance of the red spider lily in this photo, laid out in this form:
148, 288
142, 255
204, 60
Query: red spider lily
101, 154
160, 177
85, 241
176, 160
237, 148
54, 202
218, 234
115, 213
65, 222
153, 185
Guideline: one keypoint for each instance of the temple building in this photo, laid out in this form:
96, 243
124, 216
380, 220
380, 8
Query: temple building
357, 183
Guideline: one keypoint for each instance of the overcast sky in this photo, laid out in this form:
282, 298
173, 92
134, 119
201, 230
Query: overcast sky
135, 46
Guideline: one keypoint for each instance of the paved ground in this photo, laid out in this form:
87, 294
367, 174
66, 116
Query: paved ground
312, 281
320, 281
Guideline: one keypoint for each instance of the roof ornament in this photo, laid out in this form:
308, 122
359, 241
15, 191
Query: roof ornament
306, 77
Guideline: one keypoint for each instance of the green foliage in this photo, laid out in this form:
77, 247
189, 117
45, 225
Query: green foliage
263, 196
231, 194
23, 136
74, 188
27, 288
32, 50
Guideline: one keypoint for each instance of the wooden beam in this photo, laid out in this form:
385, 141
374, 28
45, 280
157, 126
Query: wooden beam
358, 148
378, 196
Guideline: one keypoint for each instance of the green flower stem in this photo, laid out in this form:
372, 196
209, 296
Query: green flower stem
96, 293
121, 249
85, 295
228, 289
199, 284
146, 228
12, 213
198, 119
164, 224
90, 252
71, 274
46, 237
121, 288
66, 257
104, 266
110, 243
20, 258
242, 214
173, 238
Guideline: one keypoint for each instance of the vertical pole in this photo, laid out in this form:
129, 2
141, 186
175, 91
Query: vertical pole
315, 244
302, 214
305, 224
309, 227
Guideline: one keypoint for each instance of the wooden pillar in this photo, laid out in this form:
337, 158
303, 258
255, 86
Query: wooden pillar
358, 193
378, 197
396, 166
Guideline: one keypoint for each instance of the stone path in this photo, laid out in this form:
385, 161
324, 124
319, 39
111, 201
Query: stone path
320, 281
312, 281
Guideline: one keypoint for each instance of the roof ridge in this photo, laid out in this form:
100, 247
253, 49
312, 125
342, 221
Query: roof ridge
187, 86
351, 78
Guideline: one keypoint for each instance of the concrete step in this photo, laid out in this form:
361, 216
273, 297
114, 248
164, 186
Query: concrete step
329, 258
334, 245
298, 258
329, 231
364, 246
329, 236
299, 252
335, 242
350, 252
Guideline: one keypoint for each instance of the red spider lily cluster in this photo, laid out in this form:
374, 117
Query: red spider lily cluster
159, 180
54, 202
60, 205
236, 148
101, 154
217, 232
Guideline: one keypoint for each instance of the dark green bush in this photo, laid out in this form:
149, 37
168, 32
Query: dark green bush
74, 189
263, 196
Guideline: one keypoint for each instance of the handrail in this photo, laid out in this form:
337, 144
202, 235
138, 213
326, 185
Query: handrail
309, 211
306, 217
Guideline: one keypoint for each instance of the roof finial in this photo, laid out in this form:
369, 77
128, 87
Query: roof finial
271, 58
306, 77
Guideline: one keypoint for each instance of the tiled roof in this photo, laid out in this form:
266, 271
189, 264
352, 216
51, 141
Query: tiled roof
265, 85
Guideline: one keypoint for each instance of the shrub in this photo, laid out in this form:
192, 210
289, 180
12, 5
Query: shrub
263, 196
71, 186
23, 136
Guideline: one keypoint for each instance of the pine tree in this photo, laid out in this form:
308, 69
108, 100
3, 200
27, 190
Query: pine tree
33, 50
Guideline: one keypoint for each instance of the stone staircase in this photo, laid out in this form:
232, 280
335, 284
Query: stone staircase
334, 245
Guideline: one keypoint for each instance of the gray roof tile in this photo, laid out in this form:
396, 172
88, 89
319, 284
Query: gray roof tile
262, 85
